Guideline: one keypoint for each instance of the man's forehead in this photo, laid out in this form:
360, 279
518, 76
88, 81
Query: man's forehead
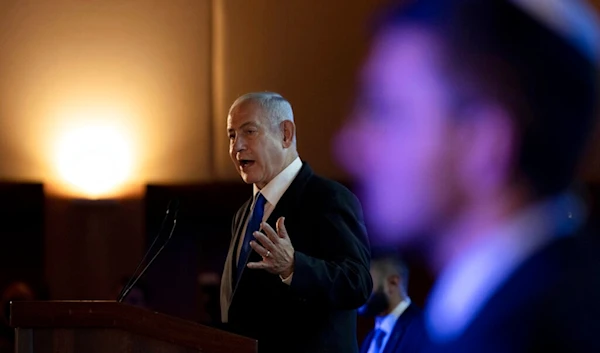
245, 112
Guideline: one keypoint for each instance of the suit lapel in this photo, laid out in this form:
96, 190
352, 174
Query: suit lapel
364, 348
292, 195
227, 287
239, 226
400, 327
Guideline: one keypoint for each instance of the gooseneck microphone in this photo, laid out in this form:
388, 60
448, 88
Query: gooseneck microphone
173, 207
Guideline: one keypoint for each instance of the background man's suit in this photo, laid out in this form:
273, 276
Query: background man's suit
317, 312
549, 304
406, 337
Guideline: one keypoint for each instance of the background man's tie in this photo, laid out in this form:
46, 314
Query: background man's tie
378, 340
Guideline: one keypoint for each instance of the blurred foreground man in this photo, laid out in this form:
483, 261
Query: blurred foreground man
471, 121
398, 321
298, 263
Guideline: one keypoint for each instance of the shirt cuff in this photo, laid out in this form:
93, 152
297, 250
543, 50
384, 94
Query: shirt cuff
287, 280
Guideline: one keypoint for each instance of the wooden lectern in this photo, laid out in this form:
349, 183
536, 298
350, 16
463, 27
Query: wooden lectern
108, 326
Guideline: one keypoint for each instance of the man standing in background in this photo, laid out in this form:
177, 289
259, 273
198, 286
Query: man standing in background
398, 321
298, 263
471, 122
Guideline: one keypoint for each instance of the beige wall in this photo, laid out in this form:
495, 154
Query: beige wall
307, 50
143, 64
166, 71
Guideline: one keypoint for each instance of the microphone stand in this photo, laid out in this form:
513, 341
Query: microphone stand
134, 279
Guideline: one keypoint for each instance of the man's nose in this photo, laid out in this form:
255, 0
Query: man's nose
239, 145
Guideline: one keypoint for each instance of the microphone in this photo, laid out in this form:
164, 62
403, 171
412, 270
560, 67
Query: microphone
173, 205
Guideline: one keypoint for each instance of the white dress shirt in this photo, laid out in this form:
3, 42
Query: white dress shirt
273, 192
387, 323
464, 287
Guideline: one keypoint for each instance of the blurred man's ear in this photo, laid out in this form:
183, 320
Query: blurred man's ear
289, 129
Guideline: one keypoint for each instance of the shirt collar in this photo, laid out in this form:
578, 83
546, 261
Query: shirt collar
275, 189
387, 323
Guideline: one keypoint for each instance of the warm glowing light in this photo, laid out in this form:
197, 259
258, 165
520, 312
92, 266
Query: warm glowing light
95, 159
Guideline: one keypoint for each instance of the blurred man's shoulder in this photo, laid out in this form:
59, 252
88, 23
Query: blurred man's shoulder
553, 296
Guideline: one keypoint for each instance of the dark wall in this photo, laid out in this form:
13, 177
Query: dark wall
91, 244
22, 234
21, 250
198, 246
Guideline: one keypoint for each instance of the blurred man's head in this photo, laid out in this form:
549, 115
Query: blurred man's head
262, 136
464, 105
390, 285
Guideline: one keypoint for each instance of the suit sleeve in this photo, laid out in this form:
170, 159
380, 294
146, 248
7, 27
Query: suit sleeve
342, 280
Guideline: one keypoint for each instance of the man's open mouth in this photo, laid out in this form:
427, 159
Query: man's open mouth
245, 163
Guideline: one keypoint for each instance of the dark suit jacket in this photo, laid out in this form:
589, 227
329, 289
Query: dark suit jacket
317, 312
408, 335
550, 304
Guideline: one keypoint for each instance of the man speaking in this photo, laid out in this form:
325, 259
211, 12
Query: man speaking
298, 263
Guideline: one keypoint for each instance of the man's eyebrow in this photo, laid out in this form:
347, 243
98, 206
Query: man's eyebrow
248, 123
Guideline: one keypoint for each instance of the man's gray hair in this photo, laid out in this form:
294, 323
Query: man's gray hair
274, 105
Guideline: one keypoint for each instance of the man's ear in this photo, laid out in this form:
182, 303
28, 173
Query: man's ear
289, 130
394, 280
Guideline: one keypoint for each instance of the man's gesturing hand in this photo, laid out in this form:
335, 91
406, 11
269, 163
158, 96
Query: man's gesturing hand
275, 248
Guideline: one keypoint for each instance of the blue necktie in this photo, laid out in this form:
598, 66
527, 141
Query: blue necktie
378, 340
253, 226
